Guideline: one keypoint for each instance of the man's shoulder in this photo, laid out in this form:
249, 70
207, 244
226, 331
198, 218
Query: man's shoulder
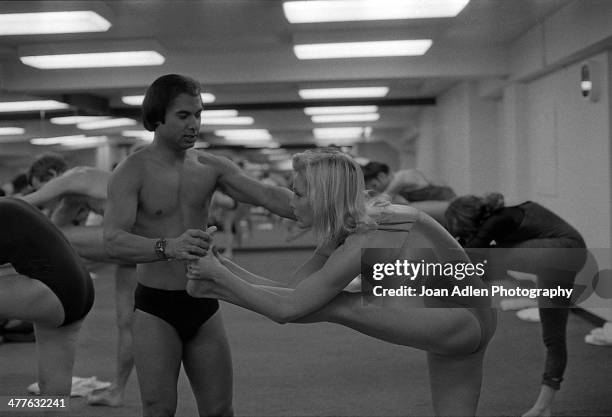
132, 167
137, 159
206, 158
218, 163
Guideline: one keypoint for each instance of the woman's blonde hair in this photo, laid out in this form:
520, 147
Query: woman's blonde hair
335, 190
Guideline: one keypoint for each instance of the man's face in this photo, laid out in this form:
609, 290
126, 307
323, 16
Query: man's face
379, 183
182, 121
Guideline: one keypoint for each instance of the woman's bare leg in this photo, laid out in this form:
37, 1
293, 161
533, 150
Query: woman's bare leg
455, 383
454, 333
28, 299
56, 348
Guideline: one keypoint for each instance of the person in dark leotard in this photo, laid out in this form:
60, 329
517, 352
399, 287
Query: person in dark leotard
535, 240
329, 196
50, 288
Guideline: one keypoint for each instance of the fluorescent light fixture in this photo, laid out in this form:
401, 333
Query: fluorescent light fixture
337, 132
342, 118
312, 111
133, 100
207, 98
74, 140
137, 100
362, 49
72, 120
139, 134
12, 131
107, 123
220, 113
356, 10
242, 120
337, 141
52, 22
244, 134
351, 92
95, 60
32, 105
266, 144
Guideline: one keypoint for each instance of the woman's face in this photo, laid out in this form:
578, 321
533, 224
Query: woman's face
302, 209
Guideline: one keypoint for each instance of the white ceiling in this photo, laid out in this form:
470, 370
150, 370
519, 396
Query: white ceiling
241, 51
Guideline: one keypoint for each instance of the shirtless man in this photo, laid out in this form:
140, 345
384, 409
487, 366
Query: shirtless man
158, 202
74, 193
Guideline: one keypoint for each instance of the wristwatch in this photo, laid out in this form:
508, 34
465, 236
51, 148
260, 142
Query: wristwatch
160, 249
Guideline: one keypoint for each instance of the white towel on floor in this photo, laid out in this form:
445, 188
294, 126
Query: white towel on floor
529, 314
80, 386
600, 336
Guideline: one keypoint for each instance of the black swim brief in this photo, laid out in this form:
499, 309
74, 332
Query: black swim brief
183, 312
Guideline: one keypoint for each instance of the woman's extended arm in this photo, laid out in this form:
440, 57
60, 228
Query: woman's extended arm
248, 276
210, 279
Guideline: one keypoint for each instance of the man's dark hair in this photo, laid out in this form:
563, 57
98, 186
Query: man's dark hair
160, 94
19, 182
46, 166
372, 169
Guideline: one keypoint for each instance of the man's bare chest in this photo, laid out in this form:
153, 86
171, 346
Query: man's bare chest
166, 191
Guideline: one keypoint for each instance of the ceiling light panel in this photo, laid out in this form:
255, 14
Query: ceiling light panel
137, 100
362, 49
94, 60
5, 131
74, 140
139, 134
352, 92
220, 113
52, 22
244, 134
359, 10
343, 118
312, 111
106, 124
241, 120
72, 120
337, 132
31, 105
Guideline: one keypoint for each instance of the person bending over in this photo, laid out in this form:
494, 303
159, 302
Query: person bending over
530, 239
51, 288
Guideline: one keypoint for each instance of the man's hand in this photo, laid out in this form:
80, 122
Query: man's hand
191, 245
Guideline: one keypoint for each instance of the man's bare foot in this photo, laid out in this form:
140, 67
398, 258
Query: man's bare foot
109, 397
535, 412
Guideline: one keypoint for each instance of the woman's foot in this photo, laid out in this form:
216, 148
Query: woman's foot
542, 406
203, 274
534, 412
109, 397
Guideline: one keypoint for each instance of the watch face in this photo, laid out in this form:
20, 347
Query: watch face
160, 248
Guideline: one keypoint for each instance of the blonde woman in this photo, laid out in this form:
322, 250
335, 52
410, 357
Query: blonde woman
329, 198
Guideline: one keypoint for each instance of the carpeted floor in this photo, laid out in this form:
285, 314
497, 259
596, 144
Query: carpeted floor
324, 370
